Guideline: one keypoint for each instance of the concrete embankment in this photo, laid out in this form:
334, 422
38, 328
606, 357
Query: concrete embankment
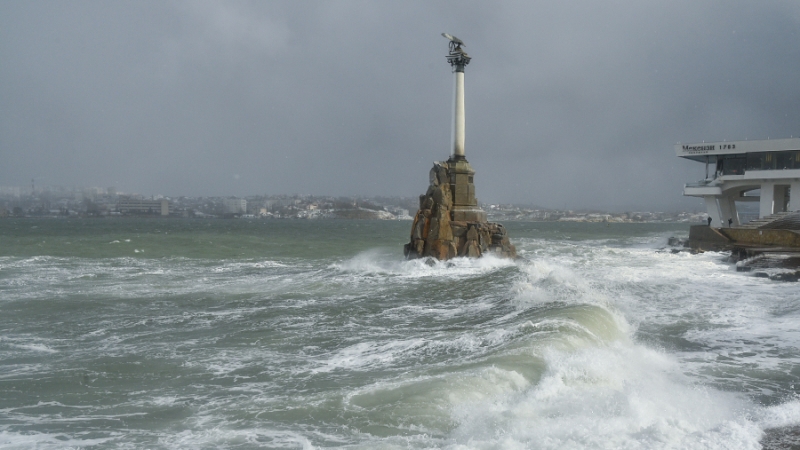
772, 253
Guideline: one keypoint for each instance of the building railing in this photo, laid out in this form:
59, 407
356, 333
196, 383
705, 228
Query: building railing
701, 183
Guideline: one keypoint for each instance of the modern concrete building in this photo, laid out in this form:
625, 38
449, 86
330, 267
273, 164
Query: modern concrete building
765, 171
234, 205
131, 206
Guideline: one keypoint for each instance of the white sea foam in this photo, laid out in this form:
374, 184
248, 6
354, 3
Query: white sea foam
35, 347
16, 440
29, 343
368, 355
221, 437
373, 262
372, 355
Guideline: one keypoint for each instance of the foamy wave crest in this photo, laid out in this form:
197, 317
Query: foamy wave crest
619, 396
547, 281
429, 399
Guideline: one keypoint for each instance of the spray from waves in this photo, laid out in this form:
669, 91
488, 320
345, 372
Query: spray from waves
779, 416
572, 375
547, 282
602, 389
614, 395
579, 387
377, 263
577, 378
617, 396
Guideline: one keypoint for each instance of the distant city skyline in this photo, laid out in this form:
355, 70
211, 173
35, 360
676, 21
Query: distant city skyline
568, 105
60, 199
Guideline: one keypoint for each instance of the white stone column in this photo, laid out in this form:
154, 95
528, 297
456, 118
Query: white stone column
727, 206
734, 212
794, 196
459, 132
766, 205
712, 208
780, 198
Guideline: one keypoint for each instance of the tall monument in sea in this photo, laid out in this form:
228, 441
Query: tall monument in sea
449, 222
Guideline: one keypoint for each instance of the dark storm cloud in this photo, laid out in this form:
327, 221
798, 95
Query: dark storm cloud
569, 104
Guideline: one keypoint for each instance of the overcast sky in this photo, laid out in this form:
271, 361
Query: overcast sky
570, 104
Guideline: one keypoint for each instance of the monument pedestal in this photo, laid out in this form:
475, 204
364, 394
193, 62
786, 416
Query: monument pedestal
465, 205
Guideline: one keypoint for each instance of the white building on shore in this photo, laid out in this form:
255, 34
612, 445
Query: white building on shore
765, 171
138, 206
233, 205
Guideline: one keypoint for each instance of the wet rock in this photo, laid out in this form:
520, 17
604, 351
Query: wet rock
452, 250
418, 227
677, 242
472, 234
472, 249
419, 247
433, 233
785, 276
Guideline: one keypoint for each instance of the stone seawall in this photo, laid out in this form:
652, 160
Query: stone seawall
705, 238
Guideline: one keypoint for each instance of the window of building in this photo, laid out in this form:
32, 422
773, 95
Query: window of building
734, 165
754, 161
785, 160
769, 161
773, 160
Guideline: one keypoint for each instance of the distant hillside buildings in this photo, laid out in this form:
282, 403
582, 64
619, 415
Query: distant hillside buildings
100, 202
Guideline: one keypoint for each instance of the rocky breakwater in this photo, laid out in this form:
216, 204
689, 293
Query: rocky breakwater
449, 223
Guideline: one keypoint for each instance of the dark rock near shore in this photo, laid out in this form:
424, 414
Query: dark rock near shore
784, 438
677, 242
775, 265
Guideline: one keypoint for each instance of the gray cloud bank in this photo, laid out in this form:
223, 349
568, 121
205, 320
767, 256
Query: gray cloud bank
569, 104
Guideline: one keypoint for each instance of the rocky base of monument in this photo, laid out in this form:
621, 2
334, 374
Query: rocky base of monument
437, 235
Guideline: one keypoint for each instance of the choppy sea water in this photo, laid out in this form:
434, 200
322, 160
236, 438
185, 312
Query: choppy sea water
317, 334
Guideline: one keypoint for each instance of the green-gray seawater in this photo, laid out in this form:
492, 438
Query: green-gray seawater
148, 333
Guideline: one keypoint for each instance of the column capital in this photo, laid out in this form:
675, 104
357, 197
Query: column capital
458, 59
